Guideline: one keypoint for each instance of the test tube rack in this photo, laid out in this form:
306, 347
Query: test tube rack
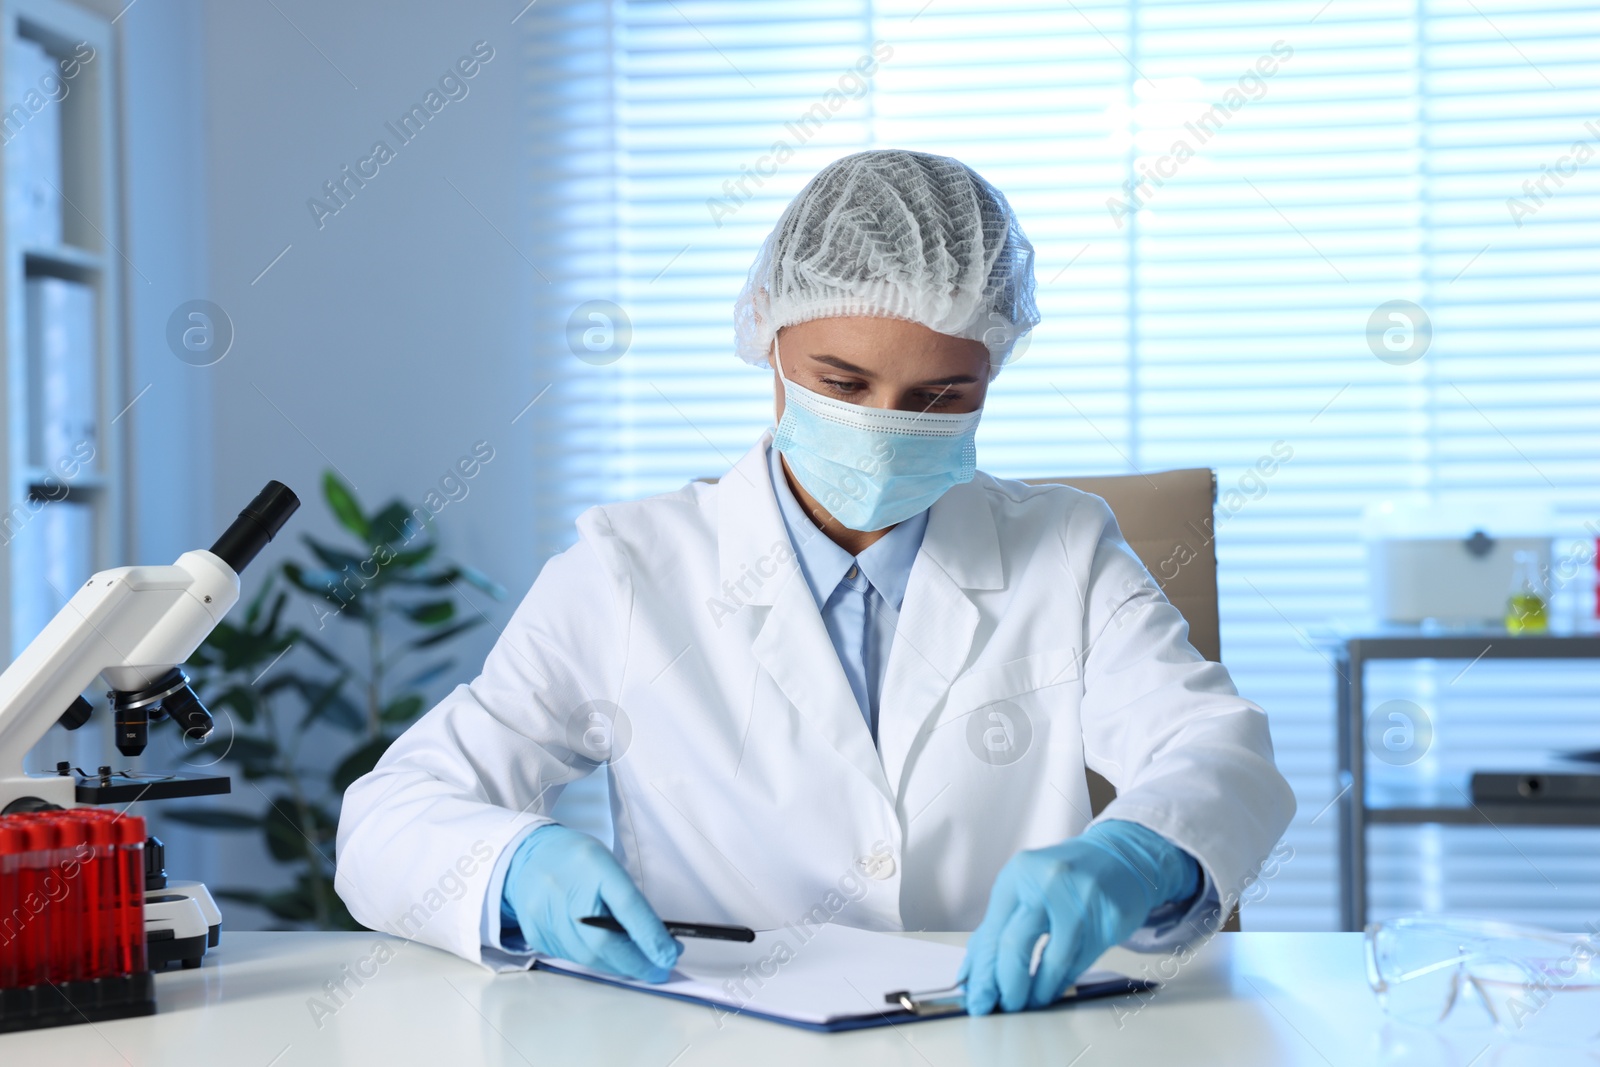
72, 936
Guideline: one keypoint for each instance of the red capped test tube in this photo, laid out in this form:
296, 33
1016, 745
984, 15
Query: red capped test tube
130, 893
33, 915
13, 845
70, 926
96, 884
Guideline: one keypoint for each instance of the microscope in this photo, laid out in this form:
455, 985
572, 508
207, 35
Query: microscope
134, 627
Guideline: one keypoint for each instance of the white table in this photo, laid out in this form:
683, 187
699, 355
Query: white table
1251, 998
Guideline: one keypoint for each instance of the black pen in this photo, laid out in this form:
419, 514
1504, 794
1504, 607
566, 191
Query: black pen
677, 929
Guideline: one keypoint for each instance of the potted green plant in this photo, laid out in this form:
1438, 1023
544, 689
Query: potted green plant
276, 687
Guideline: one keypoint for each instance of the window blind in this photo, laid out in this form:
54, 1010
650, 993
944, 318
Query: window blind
1222, 196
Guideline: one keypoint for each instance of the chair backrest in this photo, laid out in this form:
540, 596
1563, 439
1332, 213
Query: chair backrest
1167, 519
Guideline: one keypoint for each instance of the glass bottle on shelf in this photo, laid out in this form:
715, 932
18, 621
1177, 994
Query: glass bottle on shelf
1527, 609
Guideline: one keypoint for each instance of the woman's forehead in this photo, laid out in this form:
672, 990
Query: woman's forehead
880, 346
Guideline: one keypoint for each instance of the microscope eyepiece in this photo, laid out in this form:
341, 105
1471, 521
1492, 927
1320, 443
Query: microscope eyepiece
257, 524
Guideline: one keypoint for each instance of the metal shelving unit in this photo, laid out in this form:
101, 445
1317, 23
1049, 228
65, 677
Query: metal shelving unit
1356, 813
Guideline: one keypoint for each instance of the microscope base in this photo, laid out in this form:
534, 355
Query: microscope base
162, 949
181, 921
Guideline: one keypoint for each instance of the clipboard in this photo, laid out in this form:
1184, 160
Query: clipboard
828, 979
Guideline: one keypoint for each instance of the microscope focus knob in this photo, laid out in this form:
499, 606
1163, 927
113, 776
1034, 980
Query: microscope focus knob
77, 714
155, 863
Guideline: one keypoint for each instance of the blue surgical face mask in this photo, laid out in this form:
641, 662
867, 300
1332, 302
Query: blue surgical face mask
870, 467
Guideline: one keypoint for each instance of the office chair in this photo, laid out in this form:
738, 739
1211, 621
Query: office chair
1166, 517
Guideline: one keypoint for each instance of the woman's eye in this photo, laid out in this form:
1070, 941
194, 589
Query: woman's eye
841, 387
939, 399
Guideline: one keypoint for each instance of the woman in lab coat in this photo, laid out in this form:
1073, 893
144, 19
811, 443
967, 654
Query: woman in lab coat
853, 680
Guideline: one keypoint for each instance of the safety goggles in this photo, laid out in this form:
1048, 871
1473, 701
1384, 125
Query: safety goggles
1533, 983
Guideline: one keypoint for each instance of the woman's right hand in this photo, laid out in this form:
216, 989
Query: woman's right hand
558, 876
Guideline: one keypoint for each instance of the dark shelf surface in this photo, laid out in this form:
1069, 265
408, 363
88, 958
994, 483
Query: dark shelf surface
1486, 646
1414, 642
1488, 815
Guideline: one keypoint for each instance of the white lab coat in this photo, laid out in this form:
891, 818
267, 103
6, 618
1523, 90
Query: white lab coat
745, 785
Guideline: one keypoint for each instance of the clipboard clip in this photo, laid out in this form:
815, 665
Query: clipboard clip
950, 1000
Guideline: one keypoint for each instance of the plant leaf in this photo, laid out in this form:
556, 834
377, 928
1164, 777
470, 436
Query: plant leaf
213, 818
241, 699
327, 701
403, 709
346, 565
417, 527
317, 583
276, 614
410, 559
321, 650
257, 757
281, 681
428, 674
451, 575
345, 509
431, 612
253, 611
248, 749
441, 636
324, 584
394, 523
480, 581
286, 837
359, 762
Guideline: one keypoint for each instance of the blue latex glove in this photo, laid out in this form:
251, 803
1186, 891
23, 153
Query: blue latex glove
1088, 894
556, 877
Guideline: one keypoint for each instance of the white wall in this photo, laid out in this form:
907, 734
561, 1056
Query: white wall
170, 427
388, 341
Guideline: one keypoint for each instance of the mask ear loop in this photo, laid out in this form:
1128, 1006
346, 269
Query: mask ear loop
778, 359
782, 377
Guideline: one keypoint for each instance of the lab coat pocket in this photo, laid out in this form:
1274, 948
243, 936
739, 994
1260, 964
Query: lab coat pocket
1039, 670
1003, 767
708, 812
1005, 711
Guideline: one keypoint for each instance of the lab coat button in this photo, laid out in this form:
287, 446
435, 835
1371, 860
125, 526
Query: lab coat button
879, 865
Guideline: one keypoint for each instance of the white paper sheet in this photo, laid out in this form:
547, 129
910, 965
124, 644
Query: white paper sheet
809, 974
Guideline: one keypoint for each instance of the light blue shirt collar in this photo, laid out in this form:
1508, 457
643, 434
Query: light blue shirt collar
886, 563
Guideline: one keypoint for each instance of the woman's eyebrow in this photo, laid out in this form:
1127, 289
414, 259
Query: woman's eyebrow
851, 368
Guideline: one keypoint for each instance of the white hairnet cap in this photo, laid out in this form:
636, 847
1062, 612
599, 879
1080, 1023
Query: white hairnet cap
897, 234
